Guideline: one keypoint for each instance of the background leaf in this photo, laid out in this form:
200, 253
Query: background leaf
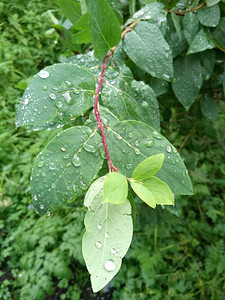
65, 168
71, 9
115, 188
56, 95
148, 49
108, 235
190, 26
201, 42
209, 16
104, 26
187, 79
130, 142
208, 106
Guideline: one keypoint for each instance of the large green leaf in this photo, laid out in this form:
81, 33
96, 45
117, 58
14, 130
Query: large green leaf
108, 235
56, 95
66, 167
71, 9
115, 188
148, 167
130, 142
104, 27
201, 42
144, 193
187, 79
190, 26
209, 16
147, 47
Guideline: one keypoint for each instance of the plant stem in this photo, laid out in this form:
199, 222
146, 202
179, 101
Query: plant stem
96, 104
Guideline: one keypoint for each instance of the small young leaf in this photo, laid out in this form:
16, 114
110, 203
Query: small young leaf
160, 191
148, 167
147, 47
187, 79
144, 193
108, 235
104, 26
209, 16
66, 167
115, 188
56, 94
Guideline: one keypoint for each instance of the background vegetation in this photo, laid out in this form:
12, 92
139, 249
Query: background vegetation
175, 254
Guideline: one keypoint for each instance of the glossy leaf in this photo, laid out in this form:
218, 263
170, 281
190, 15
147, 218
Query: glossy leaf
208, 60
219, 34
211, 2
187, 79
208, 106
115, 188
201, 42
148, 167
108, 235
160, 191
71, 9
131, 142
209, 16
65, 168
144, 193
104, 27
56, 95
190, 26
148, 49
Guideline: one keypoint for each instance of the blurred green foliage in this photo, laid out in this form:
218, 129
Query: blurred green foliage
175, 254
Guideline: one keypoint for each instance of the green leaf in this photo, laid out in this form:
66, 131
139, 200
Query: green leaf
209, 16
81, 37
187, 79
66, 38
208, 59
160, 191
56, 95
177, 24
201, 42
82, 23
148, 49
131, 142
66, 167
208, 106
71, 9
190, 26
211, 2
219, 34
143, 193
224, 82
108, 235
104, 26
148, 167
115, 188
159, 87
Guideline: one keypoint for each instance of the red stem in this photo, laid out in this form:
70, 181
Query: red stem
100, 124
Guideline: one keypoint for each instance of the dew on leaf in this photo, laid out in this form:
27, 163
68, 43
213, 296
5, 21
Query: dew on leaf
41, 206
99, 226
52, 166
40, 164
156, 135
44, 74
128, 166
76, 161
168, 148
45, 88
89, 148
48, 213
98, 244
52, 96
67, 96
59, 104
113, 251
106, 235
130, 135
149, 143
35, 197
110, 265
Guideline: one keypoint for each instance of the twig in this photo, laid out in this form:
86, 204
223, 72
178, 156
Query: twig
186, 138
181, 13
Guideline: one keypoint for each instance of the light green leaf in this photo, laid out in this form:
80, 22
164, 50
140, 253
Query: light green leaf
71, 9
208, 106
144, 193
201, 42
66, 167
211, 2
209, 16
56, 95
131, 142
108, 235
81, 37
148, 167
115, 188
190, 26
187, 79
160, 191
104, 27
82, 23
148, 49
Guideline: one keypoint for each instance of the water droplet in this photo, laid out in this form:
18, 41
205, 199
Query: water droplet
168, 148
26, 100
128, 166
59, 104
136, 151
110, 265
48, 213
89, 148
74, 188
149, 143
35, 197
99, 226
106, 235
76, 161
83, 185
45, 88
52, 166
113, 251
136, 143
52, 96
40, 164
174, 149
123, 129
98, 244
43, 74
67, 96
156, 135
41, 206
130, 135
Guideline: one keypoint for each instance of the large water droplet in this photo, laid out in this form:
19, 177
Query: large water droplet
107, 235
59, 104
156, 135
76, 161
89, 148
98, 244
149, 143
40, 164
52, 96
168, 148
110, 265
67, 96
43, 74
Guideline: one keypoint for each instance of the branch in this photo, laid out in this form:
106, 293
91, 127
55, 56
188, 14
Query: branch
186, 138
181, 13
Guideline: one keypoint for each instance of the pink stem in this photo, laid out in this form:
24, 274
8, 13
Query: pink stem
100, 124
